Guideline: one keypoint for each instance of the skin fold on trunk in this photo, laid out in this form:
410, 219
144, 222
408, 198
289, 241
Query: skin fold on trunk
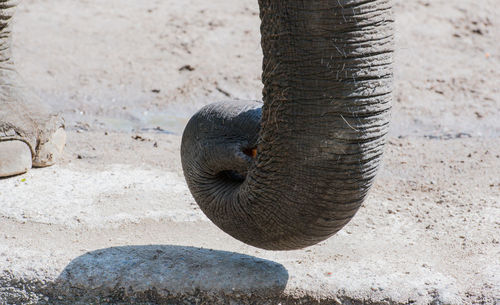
319, 135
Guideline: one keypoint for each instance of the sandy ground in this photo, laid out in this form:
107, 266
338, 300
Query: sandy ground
115, 220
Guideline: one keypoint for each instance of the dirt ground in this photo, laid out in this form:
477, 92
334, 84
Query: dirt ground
127, 75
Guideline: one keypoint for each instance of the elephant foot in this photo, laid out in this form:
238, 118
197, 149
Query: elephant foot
30, 135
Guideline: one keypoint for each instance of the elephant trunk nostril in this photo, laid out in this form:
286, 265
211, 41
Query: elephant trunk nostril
235, 168
251, 152
232, 176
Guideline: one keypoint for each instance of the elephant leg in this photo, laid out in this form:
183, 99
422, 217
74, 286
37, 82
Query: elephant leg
30, 135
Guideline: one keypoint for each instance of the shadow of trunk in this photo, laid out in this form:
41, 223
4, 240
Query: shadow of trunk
167, 275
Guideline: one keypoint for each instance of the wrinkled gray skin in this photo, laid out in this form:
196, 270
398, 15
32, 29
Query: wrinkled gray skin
319, 135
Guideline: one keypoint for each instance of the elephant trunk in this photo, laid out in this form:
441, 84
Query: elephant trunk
327, 75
